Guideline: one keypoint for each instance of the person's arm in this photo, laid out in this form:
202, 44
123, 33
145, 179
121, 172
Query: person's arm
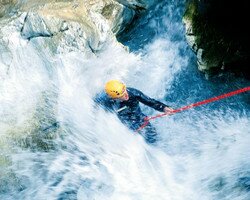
157, 105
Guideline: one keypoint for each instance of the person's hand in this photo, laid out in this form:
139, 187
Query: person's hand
168, 110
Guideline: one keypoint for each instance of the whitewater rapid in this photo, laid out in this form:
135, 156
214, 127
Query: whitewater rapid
202, 153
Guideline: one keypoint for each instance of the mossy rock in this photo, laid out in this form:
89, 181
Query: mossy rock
218, 28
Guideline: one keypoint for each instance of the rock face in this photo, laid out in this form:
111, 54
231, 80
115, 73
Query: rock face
85, 25
217, 33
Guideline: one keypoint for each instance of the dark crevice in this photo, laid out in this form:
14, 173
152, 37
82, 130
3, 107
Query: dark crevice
24, 21
92, 49
40, 35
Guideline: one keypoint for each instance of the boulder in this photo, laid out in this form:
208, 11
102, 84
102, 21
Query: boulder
218, 34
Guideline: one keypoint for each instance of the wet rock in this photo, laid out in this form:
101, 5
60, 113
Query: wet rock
216, 31
7, 7
77, 25
38, 26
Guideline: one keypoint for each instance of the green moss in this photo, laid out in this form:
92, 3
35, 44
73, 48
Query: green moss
207, 36
191, 10
108, 10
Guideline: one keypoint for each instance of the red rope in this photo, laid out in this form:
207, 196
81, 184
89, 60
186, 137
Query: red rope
147, 119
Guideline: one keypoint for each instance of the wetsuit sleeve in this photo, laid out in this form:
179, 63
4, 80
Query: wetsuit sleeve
157, 105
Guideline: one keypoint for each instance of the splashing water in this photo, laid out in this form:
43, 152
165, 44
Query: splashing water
202, 153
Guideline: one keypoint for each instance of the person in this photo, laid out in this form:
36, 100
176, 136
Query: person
124, 101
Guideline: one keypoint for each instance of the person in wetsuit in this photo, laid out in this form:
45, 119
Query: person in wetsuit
125, 102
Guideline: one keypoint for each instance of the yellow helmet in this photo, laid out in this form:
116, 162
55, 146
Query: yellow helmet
115, 88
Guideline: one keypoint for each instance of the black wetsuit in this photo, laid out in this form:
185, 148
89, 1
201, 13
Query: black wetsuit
129, 112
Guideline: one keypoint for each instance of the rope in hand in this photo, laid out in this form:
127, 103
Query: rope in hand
147, 119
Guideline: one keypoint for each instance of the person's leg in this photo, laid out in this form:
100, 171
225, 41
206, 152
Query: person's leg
149, 133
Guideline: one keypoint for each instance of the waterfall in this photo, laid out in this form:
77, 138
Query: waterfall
56, 144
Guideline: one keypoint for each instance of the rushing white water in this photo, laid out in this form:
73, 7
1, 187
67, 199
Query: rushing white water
202, 153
